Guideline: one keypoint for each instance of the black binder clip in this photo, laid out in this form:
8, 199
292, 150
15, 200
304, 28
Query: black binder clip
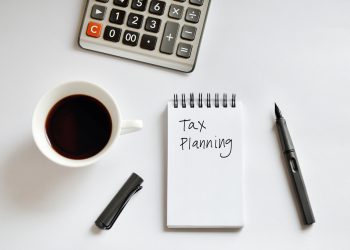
117, 204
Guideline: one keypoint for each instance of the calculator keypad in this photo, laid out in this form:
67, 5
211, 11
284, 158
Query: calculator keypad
168, 31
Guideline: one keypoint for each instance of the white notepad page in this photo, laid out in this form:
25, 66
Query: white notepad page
205, 167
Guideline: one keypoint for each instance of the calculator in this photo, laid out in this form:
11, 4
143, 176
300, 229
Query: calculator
165, 33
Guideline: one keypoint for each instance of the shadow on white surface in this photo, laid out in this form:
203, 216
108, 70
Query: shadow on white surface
32, 182
95, 230
79, 25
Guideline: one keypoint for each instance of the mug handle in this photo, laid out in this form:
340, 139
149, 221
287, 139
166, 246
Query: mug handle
129, 126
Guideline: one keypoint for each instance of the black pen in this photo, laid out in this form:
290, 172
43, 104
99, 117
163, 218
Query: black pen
294, 167
117, 204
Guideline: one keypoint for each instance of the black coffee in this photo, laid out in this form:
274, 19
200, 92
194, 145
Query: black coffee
78, 126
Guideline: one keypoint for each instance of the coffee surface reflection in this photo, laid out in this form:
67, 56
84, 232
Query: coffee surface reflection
78, 127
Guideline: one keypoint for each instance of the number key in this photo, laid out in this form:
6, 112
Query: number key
135, 20
117, 16
122, 3
157, 7
112, 34
152, 24
139, 5
131, 38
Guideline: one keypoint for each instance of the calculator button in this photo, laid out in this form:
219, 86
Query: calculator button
180, 0
130, 38
117, 16
169, 37
122, 3
152, 24
94, 29
157, 7
102, 1
139, 5
135, 20
148, 42
188, 32
98, 12
176, 11
184, 50
197, 2
192, 15
112, 34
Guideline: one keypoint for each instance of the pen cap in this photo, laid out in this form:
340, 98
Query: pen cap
117, 204
286, 140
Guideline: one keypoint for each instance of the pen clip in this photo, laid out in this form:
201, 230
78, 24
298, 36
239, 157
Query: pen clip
293, 165
131, 194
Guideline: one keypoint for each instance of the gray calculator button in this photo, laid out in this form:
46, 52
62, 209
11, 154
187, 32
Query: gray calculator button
197, 2
103, 1
193, 15
98, 12
188, 32
184, 50
176, 11
169, 37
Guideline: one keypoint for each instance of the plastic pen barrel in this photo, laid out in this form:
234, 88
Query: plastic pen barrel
117, 204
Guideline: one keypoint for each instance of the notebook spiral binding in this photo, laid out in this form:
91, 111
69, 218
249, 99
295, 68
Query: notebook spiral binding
208, 101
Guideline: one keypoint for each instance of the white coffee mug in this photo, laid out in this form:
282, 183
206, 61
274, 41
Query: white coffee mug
119, 126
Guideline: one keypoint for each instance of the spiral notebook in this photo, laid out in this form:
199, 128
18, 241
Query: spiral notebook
205, 162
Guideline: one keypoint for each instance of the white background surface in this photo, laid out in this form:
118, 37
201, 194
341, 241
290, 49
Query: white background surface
295, 52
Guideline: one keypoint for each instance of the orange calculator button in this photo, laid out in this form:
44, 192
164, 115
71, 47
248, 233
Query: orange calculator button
94, 29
